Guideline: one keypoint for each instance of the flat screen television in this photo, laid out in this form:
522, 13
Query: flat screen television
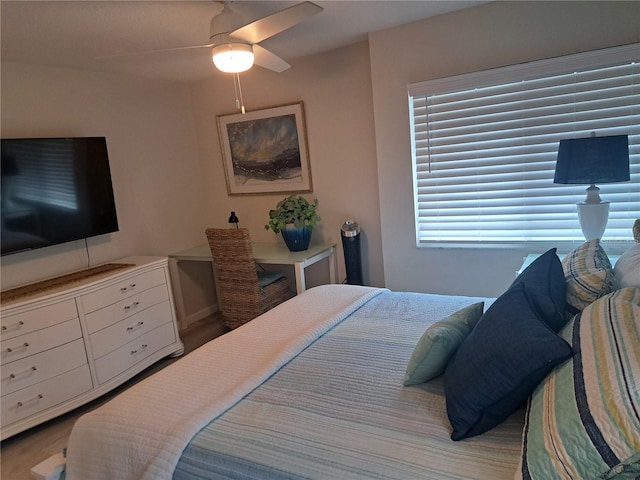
54, 190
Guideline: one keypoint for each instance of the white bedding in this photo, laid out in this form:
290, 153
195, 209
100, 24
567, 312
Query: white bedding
99, 446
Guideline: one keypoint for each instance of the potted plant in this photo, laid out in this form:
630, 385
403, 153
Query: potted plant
294, 217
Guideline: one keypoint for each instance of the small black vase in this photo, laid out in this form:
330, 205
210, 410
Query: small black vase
297, 239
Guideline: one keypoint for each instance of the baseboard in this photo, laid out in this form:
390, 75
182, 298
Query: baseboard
199, 315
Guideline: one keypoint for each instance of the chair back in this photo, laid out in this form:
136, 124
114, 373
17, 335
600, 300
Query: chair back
241, 297
233, 258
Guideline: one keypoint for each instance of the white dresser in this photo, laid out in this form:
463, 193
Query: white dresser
76, 341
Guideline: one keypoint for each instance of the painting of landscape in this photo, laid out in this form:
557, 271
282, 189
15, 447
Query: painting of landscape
265, 151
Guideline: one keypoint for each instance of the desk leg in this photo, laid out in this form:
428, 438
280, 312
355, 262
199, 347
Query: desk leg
333, 266
216, 285
300, 283
174, 272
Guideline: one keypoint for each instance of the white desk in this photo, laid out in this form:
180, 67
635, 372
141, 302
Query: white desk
264, 253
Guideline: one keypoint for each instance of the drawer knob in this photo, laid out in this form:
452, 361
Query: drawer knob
127, 288
24, 345
14, 375
134, 327
21, 404
133, 305
14, 325
142, 347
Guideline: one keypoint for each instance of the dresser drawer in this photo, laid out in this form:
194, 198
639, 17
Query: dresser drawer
126, 288
126, 330
134, 352
43, 395
134, 305
32, 320
42, 366
39, 341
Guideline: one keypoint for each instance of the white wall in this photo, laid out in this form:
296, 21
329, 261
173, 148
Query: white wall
166, 161
335, 88
152, 152
488, 36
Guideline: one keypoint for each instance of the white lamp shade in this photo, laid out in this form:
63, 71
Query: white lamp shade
232, 57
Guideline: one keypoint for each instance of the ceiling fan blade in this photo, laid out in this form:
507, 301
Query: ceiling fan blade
270, 25
148, 52
268, 60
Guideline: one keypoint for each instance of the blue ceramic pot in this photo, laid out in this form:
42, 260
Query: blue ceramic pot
297, 239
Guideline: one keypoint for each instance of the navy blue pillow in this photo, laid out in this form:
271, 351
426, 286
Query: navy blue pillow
546, 287
507, 354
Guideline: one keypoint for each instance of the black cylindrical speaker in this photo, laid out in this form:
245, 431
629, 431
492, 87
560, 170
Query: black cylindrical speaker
351, 245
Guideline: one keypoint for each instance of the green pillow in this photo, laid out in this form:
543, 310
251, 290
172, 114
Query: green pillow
438, 344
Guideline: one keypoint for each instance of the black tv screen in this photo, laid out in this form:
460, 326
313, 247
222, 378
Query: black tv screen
54, 190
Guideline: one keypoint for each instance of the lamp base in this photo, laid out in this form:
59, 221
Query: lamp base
593, 214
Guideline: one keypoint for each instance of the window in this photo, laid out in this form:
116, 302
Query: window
485, 145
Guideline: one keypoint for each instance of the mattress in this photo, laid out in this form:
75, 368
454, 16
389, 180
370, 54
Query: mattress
312, 389
339, 410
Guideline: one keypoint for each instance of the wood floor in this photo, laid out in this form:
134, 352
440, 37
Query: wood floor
25, 450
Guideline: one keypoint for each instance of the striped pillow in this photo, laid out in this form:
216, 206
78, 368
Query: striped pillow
589, 275
583, 421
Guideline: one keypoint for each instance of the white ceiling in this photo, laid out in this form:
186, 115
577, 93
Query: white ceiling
73, 33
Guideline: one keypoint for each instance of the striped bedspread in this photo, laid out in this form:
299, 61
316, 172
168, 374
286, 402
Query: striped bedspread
339, 411
140, 434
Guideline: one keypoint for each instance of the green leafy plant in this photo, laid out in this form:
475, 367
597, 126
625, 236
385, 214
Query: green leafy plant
296, 210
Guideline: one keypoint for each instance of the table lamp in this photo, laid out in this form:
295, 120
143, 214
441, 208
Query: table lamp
591, 160
233, 219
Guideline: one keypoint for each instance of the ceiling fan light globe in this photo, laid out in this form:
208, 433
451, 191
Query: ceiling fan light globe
232, 57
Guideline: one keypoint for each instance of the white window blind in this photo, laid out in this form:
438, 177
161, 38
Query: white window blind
485, 146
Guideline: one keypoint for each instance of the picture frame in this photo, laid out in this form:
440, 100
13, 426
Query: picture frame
265, 151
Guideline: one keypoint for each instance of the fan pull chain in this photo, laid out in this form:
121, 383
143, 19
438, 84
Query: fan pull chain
238, 90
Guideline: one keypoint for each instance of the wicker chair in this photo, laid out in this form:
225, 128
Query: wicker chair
245, 293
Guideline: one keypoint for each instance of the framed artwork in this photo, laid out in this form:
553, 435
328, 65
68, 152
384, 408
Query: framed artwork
265, 151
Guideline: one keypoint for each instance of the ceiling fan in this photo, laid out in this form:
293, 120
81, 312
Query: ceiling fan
234, 45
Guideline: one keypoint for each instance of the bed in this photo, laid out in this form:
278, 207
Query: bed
317, 388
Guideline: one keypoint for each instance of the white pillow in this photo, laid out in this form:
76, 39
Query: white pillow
627, 268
